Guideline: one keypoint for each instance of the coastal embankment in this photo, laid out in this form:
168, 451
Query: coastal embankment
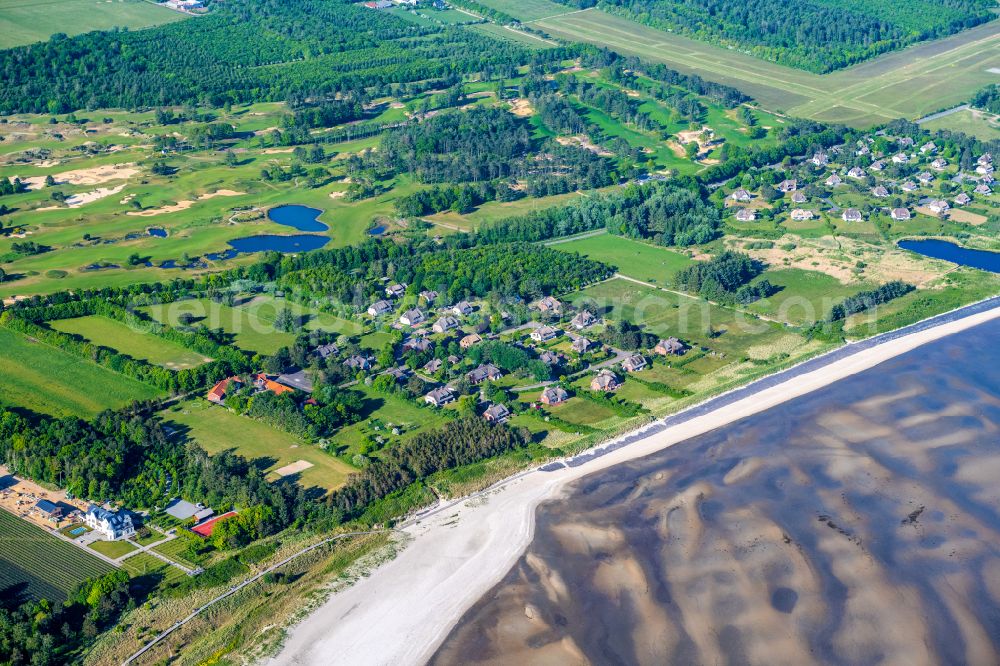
404, 611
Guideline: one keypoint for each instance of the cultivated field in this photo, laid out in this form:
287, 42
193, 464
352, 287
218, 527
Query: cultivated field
632, 258
908, 83
27, 21
36, 565
120, 337
217, 429
48, 380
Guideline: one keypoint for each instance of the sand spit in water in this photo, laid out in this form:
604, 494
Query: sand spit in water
406, 609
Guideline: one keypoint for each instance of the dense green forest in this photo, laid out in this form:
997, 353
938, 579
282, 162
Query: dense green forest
817, 35
249, 51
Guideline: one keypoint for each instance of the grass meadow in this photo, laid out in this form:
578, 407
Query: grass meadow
218, 429
45, 379
36, 565
27, 21
120, 337
635, 259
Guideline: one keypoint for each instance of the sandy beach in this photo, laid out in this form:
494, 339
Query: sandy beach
403, 611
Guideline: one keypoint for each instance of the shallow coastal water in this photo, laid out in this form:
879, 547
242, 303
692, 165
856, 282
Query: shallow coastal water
858, 524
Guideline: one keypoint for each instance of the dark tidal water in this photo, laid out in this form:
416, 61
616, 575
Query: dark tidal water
963, 256
859, 524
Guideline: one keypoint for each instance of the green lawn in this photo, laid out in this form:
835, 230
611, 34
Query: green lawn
112, 549
981, 125
266, 307
119, 336
581, 411
248, 331
804, 297
144, 564
385, 412
48, 380
636, 259
733, 335
217, 429
27, 21
41, 565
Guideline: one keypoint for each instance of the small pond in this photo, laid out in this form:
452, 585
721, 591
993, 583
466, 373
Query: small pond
157, 232
301, 218
377, 231
963, 256
272, 243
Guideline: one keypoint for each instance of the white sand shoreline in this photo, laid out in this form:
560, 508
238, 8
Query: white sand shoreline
405, 609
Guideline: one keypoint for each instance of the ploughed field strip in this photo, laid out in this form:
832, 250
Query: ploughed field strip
36, 565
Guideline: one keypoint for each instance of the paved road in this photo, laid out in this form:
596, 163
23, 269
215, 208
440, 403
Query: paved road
570, 239
942, 114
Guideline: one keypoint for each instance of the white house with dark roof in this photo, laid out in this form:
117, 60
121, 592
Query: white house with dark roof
799, 197
583, 320
634, 363
962, 199
484, 372
851, 215
395, 290
462, 308
900, 214
740, 195
938, 206
113, 525
440, 397
554, 395
801, 214
939, 164
379, 308
787, 185
908, 186
833, 180
900, 158
429, 295
880, 192
544, 333
878, 165
856, 172
929, 147
412, 317
580, 345
444, 324
496, 413
746, 215
983, 188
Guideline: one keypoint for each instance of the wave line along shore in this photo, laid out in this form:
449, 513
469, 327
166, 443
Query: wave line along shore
405, 609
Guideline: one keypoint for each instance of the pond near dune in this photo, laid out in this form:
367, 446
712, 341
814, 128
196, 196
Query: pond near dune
301, 218
963, 256
273, 243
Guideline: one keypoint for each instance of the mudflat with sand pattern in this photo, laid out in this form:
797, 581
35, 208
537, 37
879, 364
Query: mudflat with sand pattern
859, 524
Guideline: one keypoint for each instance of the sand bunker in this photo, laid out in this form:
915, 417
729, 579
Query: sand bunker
584, 142
293, 468
84, 198
521, 107
185, 204
338, 195
92, 176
